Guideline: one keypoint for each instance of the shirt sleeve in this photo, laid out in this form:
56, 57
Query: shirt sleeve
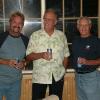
66, 49
31, 45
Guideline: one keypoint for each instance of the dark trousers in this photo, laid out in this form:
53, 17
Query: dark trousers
39, 90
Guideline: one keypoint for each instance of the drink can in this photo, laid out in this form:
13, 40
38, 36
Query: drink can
49, 50
17, 60
79, 65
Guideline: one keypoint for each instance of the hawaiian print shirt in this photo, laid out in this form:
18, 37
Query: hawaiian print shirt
43, 70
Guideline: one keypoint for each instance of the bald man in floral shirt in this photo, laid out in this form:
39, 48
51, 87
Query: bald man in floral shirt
46, 70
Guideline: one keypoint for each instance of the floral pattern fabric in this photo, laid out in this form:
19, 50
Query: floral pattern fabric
43, 70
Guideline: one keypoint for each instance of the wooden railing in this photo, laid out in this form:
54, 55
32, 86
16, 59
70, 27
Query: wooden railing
68, 89
26, 93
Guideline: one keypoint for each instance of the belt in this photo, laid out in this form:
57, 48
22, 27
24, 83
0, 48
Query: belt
84, 72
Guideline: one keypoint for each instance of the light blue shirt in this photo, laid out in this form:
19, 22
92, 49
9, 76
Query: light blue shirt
12, 48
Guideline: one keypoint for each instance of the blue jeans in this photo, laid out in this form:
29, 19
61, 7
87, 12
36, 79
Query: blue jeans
11, 91
88, 86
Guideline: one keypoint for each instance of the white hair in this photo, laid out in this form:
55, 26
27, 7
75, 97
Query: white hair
86, 18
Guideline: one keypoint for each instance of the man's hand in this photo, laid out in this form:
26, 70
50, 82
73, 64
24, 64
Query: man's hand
46, 56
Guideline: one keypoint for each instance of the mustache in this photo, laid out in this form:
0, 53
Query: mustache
17, 27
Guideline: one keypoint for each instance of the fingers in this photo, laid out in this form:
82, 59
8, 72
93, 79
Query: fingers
82, 60
12, 63
17, 65
21, 65
46, 56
